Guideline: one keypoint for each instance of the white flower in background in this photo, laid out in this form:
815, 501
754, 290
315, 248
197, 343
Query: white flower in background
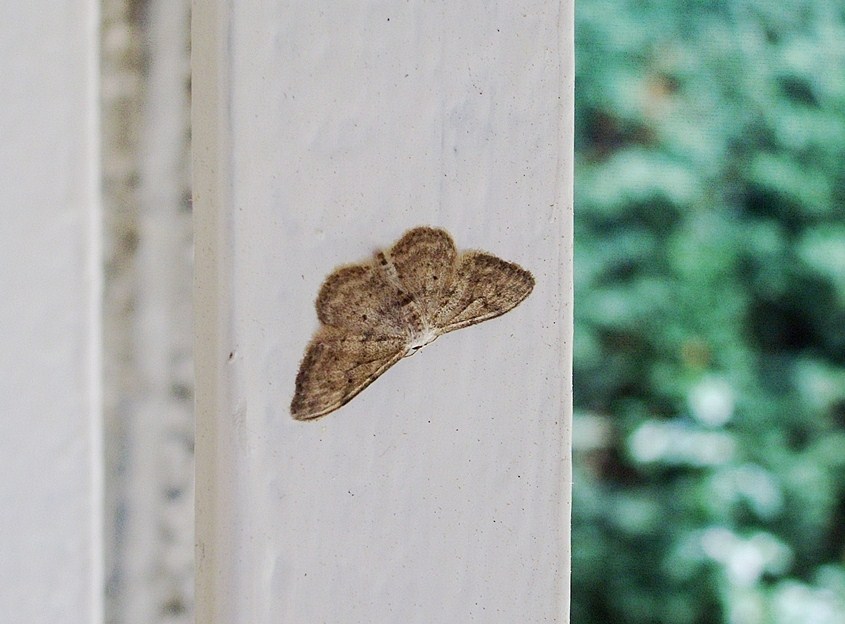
712, 401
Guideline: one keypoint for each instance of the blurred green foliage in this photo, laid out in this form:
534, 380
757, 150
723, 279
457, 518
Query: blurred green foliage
710, 312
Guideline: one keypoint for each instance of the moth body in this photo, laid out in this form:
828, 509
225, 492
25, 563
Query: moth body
417, 342
375, 313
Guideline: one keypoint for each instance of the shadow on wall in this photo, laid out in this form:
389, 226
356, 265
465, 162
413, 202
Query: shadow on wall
148, 369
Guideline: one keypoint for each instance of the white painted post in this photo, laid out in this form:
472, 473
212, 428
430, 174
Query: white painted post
321, 132
50, 430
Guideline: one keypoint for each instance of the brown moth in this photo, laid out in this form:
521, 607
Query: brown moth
375, 313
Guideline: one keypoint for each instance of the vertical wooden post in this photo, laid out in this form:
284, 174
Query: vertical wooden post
321, 132
50, 276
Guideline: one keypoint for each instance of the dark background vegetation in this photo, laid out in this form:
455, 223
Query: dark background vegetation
710, 312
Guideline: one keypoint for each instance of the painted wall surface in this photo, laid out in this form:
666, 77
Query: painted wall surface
50, 566
322, 131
